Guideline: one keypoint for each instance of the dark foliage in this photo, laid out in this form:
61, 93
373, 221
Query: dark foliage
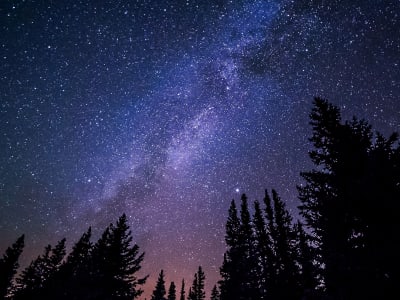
9, 265
182, 295
215, 293
159, 291
196, 292
106, 270
350, 202
172, 291
263, 260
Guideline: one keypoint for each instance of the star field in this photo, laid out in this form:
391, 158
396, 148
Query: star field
166, 110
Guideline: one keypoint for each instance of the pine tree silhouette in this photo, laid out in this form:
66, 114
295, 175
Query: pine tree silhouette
115, 263
9, 265
34, 280
249, 265
74, 281
159, 291
287, 272
172, 291
214, 293
182, 295
200, 293
196, 291
355, 233
191, 294
265, 253
308, 279
231, 277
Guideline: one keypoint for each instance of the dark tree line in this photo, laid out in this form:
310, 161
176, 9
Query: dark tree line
347, 248
350, 202
103, 270
196, 291
268, 256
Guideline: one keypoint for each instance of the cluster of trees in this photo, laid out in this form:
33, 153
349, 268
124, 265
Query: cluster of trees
268, 256
196, 291
349, 203
102, 270
347, 248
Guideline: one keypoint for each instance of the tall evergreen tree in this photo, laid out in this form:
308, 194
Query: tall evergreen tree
249, 265
182, 295
115, 262
355, 236
34, 280
308, 280
324, 206
230, 274
172, 291
9, 265
214, 293
200, 293
74, 281
288, 274
191, 294
159, 291
264, 250
197, 292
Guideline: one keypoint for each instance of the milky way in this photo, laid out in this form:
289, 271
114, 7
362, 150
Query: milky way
166, 110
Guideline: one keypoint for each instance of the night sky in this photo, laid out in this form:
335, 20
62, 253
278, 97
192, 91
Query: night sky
167, 110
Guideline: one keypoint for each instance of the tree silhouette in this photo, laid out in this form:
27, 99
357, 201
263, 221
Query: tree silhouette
182, 295
214, 293
249, 267
191, 294
324, 205
240, 271
265, 252
73, 281
286, 268
308, 279
197, 292
115, 263
355, 235
33, 281
9, 265
172, 291
159, 291
230, 273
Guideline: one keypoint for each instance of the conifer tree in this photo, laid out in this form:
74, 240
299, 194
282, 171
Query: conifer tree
308, 280
249, 265
200, 293
230, 274
172, 291
34, 280
197, 292
9, 265
159, 291
265, 252
191, 294
73, 281
182, 295
355, 236
80, 253
240, 271
323, 203
288, 274
115, 262
214, 293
